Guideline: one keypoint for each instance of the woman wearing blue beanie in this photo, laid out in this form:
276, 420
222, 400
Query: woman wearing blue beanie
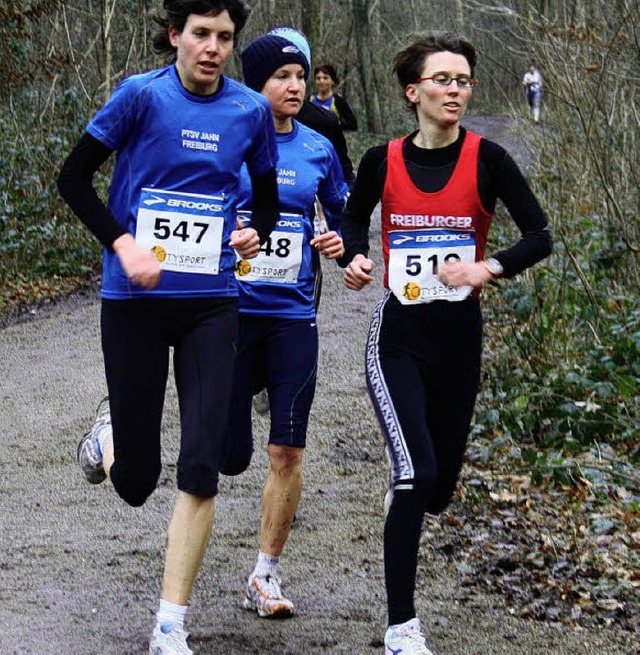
278, 345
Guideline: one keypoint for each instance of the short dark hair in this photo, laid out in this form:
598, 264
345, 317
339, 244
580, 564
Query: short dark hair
176, 13
327, 69
409, 62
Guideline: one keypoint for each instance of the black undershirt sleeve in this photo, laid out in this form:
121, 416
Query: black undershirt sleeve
75, 184
365, 195
265, 203
507, 183
348, 121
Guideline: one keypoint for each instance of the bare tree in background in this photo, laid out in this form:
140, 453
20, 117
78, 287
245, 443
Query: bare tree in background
364, 41
312, 24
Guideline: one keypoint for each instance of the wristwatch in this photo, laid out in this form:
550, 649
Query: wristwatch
493, 266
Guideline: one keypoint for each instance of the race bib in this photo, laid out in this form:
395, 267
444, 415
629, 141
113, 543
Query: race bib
414, 257
184, 230
280, 256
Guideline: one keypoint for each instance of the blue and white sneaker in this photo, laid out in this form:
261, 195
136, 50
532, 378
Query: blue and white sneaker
169, 640
89, 453
406, 639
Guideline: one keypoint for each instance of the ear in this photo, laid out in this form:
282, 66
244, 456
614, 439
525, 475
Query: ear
174, 36
411, 91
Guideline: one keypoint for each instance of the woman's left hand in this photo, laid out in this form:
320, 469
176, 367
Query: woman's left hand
329, 244
461, 274
246, 242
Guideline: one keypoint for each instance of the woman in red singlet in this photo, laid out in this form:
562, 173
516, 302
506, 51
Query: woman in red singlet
438, 187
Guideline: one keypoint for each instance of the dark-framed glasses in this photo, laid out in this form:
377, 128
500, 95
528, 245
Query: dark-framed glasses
444, 79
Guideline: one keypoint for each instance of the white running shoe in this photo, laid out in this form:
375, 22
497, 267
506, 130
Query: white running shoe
89, 454
406, 639
264, 596
166, 640
261, 401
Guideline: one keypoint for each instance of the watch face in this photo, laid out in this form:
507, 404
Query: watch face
494, 266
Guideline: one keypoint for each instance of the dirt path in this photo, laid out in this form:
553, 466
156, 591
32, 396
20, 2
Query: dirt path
80, 571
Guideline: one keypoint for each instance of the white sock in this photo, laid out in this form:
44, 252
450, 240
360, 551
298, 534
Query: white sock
171, 614
266, 563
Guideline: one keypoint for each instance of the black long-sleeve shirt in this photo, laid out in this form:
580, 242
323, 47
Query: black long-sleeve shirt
430, 169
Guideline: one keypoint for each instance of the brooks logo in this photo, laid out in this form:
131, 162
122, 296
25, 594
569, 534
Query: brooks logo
400, 240
154, 201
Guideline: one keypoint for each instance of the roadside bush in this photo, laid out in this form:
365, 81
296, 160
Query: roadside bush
39, 240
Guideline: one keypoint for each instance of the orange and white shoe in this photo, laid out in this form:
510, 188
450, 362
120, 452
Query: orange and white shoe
264, 596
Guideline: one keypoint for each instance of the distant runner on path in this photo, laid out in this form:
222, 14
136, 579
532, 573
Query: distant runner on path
326, 78
532, 83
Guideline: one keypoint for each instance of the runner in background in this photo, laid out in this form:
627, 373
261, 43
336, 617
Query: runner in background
532, 83
181, 134
438, 187
278, 346
326, 79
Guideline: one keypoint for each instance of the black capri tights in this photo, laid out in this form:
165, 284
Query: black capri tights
136, 340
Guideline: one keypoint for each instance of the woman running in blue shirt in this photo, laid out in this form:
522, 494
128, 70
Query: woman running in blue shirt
278, 335
181, 134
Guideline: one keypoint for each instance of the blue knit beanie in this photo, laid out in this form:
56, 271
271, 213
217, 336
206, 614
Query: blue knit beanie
297, 38
265, 55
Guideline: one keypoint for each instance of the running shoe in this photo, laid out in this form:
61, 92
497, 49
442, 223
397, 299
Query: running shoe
261, 401
167, 640
264, 596
406, 639
89, 454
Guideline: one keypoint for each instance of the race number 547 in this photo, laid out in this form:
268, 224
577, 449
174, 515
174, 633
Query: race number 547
184, 230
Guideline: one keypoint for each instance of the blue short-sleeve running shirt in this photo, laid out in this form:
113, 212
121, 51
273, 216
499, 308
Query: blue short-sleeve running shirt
280, 281
176, 178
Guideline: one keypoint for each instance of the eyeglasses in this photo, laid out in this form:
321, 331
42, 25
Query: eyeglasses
443, 79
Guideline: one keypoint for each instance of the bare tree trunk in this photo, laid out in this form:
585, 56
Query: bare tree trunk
365, 64
312, 25
459, 17
107, 8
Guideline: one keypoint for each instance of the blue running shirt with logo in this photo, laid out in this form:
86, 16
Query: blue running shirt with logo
280, 281
176, 178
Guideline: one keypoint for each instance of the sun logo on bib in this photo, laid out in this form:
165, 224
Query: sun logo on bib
243, 267
160, 253
411, 291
